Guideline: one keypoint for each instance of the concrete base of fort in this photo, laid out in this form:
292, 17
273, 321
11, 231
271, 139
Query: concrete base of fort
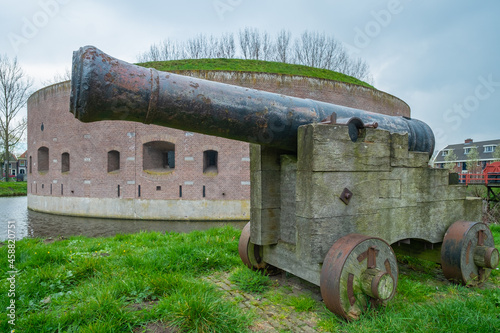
188, 210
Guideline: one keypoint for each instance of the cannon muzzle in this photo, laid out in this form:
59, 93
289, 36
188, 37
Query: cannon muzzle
105, 88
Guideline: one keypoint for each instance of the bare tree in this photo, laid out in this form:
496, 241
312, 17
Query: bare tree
164, 51
198, 47
212, 49
282, 46
153, 54
226, 46
357, 68
58, 77
15, 88
319, 50
244, 36
255, 44
251, 43
172, 50
267, 47
322, 51
311, 49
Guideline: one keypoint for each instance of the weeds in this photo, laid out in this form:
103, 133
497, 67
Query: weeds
89, 284
302, 303
199, 307
250, 281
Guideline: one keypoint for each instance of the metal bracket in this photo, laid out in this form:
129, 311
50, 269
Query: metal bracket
356, 125
346, 196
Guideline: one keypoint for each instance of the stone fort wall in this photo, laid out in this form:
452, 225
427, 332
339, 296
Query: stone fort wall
121, 169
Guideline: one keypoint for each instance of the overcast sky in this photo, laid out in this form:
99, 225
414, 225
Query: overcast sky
440, 57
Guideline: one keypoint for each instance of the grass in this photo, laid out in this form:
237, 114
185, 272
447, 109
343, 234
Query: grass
250, 281
122, 283
199, 307
9, 189
302, 303
259, 66
128, 283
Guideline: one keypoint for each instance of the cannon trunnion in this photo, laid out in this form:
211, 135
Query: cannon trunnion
333, 197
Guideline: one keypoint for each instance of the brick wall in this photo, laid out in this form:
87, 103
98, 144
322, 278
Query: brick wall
88, 145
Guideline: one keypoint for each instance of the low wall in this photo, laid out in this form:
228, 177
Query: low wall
174, 210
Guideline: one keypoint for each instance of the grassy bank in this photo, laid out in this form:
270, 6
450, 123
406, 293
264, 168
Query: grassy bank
128, 283
9, 189
258, 66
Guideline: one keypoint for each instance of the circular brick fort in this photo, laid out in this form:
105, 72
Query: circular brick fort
121, 169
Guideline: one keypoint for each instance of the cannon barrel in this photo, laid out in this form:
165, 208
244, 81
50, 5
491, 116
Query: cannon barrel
105, 88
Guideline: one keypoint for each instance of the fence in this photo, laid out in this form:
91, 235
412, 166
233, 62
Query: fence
491, 179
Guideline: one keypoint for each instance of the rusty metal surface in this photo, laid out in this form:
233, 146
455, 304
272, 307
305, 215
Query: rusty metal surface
250, 254
346, 261
105, 88
355, 125
346, 196
457, 252
243, 245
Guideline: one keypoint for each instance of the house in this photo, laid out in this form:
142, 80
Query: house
487, 151
22, 165
17, 166
12, 166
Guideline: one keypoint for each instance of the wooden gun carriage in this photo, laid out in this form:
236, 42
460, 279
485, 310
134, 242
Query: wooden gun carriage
335, 191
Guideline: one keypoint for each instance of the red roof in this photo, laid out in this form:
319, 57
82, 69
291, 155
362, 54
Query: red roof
492, 167
23, 155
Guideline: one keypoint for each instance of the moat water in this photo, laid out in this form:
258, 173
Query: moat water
34, 224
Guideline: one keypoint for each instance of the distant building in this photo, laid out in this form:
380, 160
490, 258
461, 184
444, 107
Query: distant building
11, 166
16, 167
22, 166
485, 150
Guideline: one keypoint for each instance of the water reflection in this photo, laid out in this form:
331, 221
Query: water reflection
35, 224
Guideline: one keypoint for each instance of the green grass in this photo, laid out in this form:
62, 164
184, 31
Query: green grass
250, 281
127, 282
8, 189
302, 303
259, 66
199, 307
122, 283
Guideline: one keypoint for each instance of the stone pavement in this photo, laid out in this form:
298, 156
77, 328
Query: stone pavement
272, 309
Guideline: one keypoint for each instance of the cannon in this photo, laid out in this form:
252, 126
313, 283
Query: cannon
104, 88
335, 191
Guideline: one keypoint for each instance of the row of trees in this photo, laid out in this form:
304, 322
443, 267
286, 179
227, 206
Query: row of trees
310, 49
472, 163
15, 88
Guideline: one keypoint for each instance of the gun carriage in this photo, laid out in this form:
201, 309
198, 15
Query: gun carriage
335, 191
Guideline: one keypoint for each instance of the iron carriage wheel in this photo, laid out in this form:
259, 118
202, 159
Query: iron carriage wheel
357, 272
468, 253
250, 253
